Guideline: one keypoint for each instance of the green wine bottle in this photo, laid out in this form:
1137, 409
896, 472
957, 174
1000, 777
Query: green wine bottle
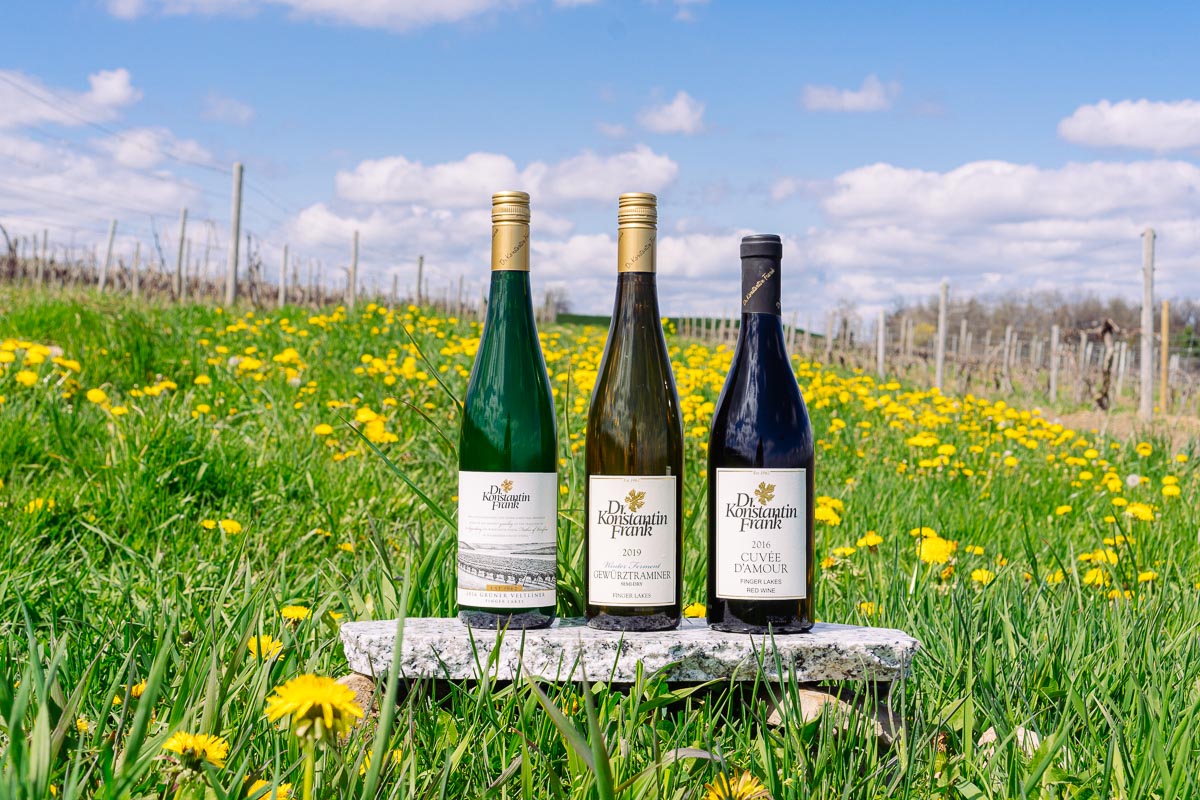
634, 498
508, 453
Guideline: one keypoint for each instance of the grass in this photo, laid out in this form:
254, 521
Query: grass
125, 617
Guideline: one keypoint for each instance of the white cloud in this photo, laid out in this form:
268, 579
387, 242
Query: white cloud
684, 114
873, 95
783, 188
25, 100
893, 232
144, 148
395, 15
1137, 124
219, 108
470, 181
613, 130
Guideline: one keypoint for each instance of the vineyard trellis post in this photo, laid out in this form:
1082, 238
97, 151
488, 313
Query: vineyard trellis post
235, 234
881, 344
1146, 365
112, 233
352, 280
940, 351
420, 280
1164, 367
179, 259
283, 265
1055, 333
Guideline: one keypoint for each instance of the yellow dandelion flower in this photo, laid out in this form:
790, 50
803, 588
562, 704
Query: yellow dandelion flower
1143, 449
984, 576
137, 690
195, 749
827, 515
39, 504
1119, 502
263, 647
1055, 577
230, 526
1147, 576
867, 608
202, 380
744, 787
208, 524
398, 755
261, 790
1140, 511
324, 429
1181, 458
347, 547
695, 610
26, 377
1063, 509
948, 572
974, 550
844, 552
316, 707
1096, 577
295, 613
82, 725
1170, 490
872, 539
1117, 594
96, 396
118, 411
923, 532
935, 550
828, 562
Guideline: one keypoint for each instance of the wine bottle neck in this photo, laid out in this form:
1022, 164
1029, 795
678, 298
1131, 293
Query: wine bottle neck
760, 286
510, 246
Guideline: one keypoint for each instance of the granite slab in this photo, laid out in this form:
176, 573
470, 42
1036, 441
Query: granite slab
569, 651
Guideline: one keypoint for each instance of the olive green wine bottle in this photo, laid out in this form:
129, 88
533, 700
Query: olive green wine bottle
508, 454
634, 497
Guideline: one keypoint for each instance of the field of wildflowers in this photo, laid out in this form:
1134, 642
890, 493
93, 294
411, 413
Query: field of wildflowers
192, 501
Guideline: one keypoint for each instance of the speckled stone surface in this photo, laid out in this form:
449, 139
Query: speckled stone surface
569, 650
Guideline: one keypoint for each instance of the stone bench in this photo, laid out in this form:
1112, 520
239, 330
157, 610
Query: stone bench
445, 649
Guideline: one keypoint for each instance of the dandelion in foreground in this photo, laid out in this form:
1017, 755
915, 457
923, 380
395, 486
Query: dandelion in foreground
984, 576
695, 610
263, 647
295, 613
195, 749
261, 790
230, 526
744, 787
867, 608
316, 707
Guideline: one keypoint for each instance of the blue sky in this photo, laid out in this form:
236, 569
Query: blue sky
891, 145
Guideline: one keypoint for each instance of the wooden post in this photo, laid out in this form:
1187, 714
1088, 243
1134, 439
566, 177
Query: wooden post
352, 282
395, 289
1122, 360
1146, 362
1055, 333
134, 277
283, 265
881, 344
1164, 399
179, 256
235, 235
112, 232
940, 347
962, 340
829, 328
420, 280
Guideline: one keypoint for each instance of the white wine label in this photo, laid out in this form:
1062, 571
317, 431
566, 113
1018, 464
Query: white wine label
507, 539
762, 534
633, 538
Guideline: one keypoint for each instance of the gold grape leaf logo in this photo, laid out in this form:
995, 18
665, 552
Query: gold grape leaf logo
635, 500
765, 492
506, 485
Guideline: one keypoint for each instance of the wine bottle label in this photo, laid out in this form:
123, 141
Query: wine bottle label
632, 540
762, 534
507, 539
